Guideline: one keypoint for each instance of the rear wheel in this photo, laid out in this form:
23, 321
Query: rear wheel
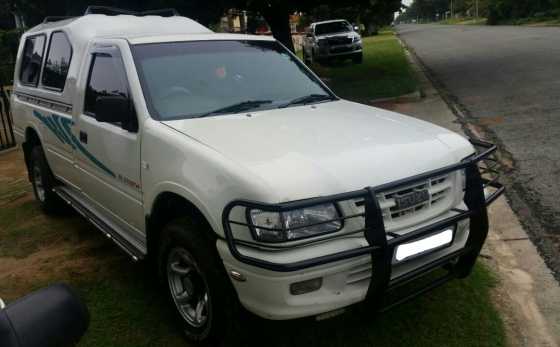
44, 182
197, 284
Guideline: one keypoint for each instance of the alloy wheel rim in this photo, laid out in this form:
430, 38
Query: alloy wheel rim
188, 288
38, 183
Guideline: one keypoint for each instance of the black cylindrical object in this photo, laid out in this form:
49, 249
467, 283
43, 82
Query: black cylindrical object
50, 317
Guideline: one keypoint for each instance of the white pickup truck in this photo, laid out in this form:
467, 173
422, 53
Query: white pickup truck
250, 182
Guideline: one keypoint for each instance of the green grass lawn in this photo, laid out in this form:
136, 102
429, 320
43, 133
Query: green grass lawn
128, 308
464, 21
385, 71
537, 21
547, 20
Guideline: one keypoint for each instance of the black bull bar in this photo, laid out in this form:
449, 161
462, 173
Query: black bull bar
481, 175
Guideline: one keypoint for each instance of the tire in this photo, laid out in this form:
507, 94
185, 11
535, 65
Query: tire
189, 262
44, 182
358, 58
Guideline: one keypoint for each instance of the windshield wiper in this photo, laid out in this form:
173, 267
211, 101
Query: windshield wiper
307, 99
237, 107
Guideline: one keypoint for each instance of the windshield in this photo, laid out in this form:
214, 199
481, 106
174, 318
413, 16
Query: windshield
332, 28
205, 78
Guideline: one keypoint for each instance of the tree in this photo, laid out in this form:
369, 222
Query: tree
277, 15
372, 14
496, 10
204, 11
277, 12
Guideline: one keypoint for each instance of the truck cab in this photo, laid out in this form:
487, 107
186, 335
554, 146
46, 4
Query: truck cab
247, 180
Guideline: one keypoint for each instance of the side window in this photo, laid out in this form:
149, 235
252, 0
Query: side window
58, 61
31, 60
106, 78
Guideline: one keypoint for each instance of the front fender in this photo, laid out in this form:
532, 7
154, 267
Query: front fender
152, 195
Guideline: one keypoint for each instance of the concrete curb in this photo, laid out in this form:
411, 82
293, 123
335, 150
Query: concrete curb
410, 97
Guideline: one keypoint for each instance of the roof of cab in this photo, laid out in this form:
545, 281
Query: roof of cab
122, 26
136, 29
330, 21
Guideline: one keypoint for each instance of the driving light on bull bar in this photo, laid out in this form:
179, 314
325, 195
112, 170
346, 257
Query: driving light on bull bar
296, 224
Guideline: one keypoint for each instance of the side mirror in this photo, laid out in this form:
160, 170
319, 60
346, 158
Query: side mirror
115, 109
53, 316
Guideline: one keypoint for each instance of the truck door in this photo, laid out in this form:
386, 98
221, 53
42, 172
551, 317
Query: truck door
108, 155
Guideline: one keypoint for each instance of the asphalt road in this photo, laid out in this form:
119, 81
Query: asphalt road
507, 80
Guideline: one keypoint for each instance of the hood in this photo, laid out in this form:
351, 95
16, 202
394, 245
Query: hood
334, 147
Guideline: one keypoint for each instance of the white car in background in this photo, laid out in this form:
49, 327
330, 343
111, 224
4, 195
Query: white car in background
333, 39
249, 181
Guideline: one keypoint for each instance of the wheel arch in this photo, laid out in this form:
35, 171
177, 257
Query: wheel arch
32, 139
169, 205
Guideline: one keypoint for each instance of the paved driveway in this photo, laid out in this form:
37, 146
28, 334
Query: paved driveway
508, 81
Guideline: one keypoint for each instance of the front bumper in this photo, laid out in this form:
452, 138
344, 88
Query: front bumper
325, 52
370, 257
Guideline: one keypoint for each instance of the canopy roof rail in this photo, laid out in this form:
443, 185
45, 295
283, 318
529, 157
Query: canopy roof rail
50, 19
108, 10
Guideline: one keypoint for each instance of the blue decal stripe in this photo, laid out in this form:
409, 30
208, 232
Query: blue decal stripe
66, 125
57, 131
61, 128
91, 157
58, 122
47, 122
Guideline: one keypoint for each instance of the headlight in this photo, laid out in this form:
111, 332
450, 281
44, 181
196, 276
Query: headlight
296, 224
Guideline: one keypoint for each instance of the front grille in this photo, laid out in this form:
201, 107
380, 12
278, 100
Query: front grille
339, 40
341, 49
440, 189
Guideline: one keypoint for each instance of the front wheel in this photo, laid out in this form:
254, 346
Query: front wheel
197, 284
358, 58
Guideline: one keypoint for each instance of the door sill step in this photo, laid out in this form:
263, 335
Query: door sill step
106, 229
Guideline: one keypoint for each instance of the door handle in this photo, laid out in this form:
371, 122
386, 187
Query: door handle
83, 136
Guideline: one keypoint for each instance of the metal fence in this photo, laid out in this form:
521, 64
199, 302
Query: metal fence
7, 139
